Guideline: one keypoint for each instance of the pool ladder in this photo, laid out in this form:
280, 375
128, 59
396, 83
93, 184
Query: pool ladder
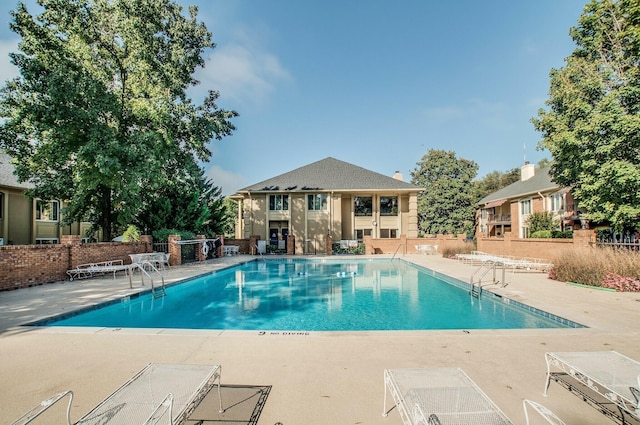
398, 249
482, 271
156, 293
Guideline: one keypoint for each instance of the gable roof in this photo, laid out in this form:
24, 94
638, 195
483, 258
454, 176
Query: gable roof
7, 177
330, 174
540, 182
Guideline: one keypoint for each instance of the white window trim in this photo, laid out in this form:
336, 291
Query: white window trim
521, 204
524, 229
560, 196
48, 202
282, 200
323, 206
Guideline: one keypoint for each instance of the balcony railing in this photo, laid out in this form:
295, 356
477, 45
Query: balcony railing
499, 218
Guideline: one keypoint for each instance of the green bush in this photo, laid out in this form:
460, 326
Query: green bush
541, 234
132, 234
355, 250
162, 235
542, 221
557, 234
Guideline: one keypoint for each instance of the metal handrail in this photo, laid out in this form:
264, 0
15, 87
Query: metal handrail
397, 249
492, 266
143, 271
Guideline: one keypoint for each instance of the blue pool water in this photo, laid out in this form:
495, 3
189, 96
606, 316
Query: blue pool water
317, 295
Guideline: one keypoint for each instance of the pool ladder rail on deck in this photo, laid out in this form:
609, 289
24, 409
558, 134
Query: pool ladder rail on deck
482, 271
398, 249
257, 250
142, 267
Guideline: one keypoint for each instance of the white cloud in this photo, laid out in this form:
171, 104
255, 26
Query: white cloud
227, 181
243, 70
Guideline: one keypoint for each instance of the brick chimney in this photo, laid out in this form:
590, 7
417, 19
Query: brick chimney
397, 175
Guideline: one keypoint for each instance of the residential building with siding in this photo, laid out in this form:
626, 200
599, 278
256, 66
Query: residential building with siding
327, 197
24, 220
508, 209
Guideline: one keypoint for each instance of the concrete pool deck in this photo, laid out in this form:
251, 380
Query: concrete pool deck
315, 377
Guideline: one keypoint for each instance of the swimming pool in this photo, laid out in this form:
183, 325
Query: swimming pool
316, 295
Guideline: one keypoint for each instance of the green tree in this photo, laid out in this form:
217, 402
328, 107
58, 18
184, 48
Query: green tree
447, 204
592, 125
230, 218
495, 181
100, 106
189, 201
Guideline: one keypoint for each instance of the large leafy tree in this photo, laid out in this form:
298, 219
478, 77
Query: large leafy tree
592, 124
447, 203
100, 108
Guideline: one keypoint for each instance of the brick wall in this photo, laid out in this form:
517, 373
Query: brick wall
28, 265
405, 245
22, 266
545, 249
242, 244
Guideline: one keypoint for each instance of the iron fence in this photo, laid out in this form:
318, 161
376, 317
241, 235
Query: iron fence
161, 247
632, 246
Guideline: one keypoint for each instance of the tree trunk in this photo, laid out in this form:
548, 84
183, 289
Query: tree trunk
105, 213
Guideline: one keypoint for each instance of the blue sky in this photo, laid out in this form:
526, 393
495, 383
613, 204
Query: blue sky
374, 83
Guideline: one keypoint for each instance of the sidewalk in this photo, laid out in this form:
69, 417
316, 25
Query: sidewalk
314, 378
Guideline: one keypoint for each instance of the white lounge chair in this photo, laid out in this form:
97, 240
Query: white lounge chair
439, 396
547, 414
443, 396
170, 391
610, 376
159, 260
84, 271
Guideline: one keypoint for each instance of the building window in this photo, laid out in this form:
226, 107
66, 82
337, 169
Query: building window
1, 204
525, 207
388, 205
389, 233
557, 202
363, 205
525, 232
361, 233
279, 202
317, 202
47, 210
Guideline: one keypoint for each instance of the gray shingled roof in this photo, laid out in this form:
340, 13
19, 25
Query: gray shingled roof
330, 174
7, 178
540, 182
